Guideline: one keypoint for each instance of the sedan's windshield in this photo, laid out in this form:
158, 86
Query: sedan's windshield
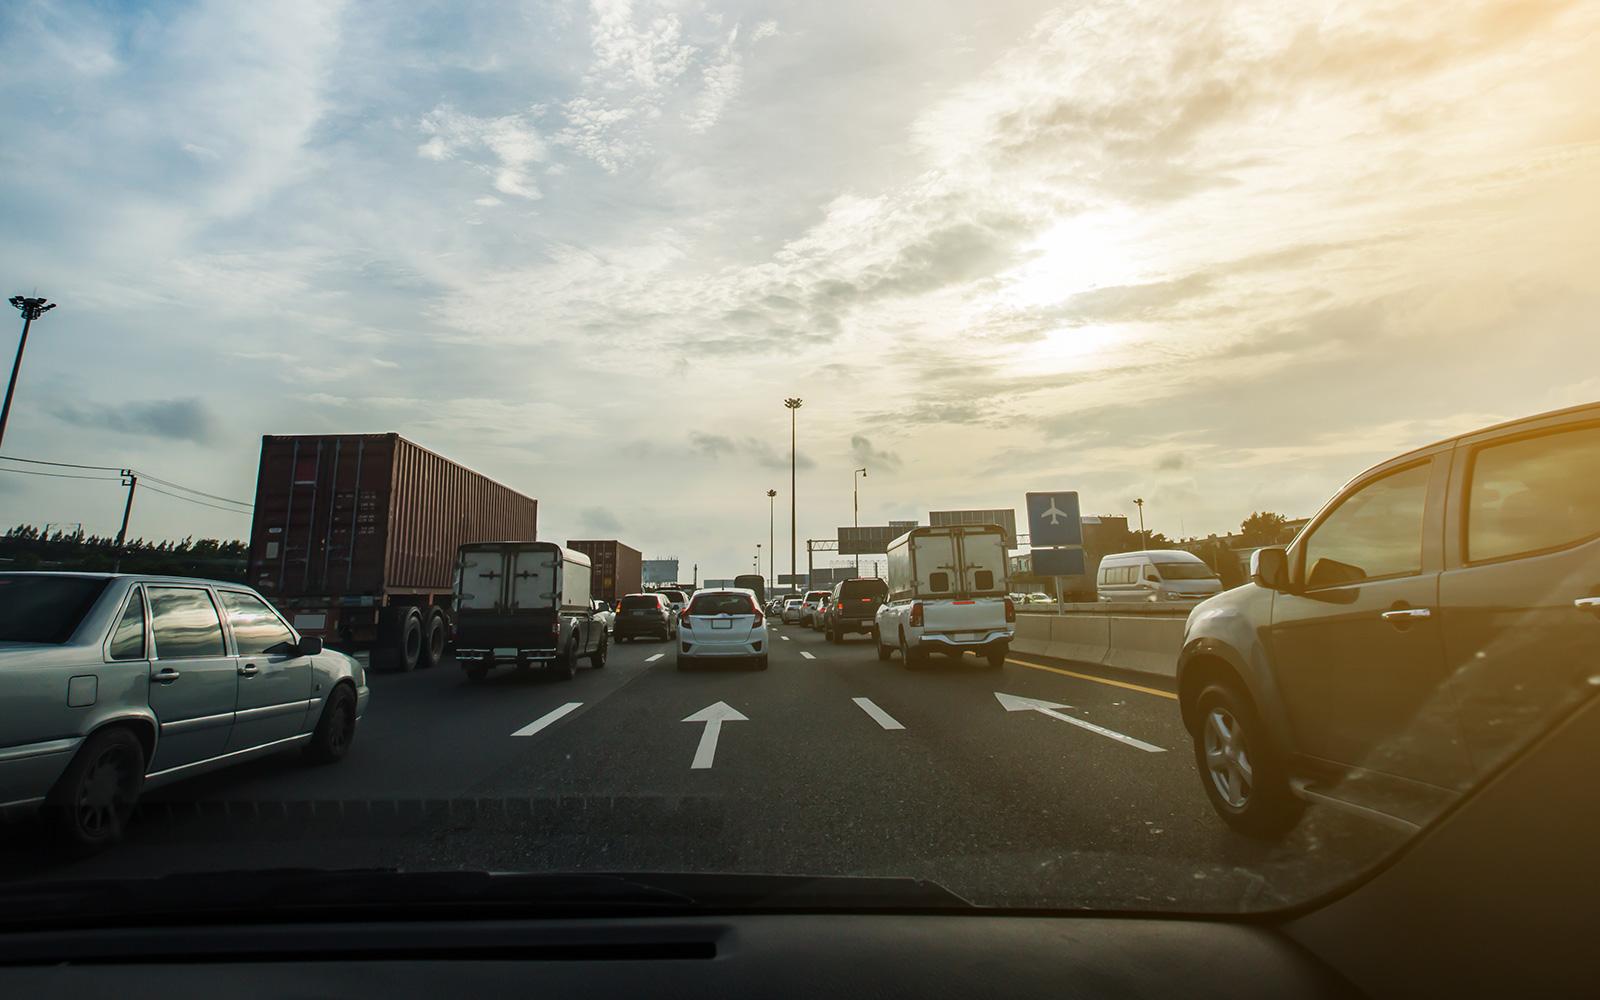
1172, 428
44, 609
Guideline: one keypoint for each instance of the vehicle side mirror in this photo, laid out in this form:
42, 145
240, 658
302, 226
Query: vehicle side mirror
309, 645
1269, 568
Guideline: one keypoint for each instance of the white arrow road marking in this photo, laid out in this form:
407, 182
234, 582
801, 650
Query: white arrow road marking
1013, 703
879, 716
807, 655
713, 716
548, 718
652, 659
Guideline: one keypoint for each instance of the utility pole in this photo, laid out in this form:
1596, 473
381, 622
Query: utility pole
1144, 539
772, 537
855, 506
31, 309
793, 403
130, 479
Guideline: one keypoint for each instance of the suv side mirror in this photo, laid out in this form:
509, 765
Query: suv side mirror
309, 645
1269, 568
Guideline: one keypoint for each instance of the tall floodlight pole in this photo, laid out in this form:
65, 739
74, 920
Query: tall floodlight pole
772, 537
1144, 540
793, 404
855, 506
31, 309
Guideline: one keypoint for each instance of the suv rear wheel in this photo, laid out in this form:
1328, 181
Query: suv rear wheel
1243, 774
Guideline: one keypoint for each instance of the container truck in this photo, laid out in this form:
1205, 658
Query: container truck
947, 594
527, 604
355, 537
618, 569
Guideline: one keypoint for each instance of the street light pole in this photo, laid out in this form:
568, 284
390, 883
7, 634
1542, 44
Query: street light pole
1144, 539
855, 503
31, 309
772, 537
793, 404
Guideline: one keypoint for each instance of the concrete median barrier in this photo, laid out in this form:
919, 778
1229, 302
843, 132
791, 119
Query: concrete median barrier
1033, 635
1079, 637
1148, 645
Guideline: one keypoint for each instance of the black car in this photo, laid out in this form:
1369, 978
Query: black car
644, 616
853, 607
1432, 618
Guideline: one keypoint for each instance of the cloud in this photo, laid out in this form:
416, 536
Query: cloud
172, 419
864, 454
717, 446
1171, 463
514, 143
598, 521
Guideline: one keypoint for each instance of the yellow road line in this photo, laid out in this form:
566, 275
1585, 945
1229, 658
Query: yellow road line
1098, 680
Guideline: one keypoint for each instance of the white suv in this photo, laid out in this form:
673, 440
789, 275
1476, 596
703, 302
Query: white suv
722, 624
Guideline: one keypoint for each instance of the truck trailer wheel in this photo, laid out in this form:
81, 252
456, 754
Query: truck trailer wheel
434, 636
399, 645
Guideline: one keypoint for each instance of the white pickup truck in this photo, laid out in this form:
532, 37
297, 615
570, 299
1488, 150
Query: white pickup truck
947, 593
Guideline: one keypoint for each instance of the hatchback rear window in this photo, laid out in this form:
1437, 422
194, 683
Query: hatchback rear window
637, 603
854, 590
722, 604
45, 609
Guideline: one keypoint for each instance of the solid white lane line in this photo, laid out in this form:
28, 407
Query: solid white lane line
807, 655
879, 716
1013, 703
713, 716
652, 659
548, 718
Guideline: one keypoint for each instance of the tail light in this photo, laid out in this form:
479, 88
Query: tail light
916, 615
1011, 610
555, 629
683, 619
759, 620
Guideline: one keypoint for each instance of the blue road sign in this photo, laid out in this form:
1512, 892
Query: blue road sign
1058, 562
1053, 519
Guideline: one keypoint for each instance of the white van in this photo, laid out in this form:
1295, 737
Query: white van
1156, 575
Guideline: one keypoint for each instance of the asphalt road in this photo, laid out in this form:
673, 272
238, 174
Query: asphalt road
841, 764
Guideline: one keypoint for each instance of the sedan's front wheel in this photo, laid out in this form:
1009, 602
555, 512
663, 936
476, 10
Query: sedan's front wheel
92, 802
336, 730
1243, 775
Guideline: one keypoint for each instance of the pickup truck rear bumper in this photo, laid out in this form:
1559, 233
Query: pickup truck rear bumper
504, 655
963, 641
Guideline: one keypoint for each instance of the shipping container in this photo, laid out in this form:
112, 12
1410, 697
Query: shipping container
355, 536
618, 569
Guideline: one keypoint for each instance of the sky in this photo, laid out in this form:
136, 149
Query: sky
1218, 256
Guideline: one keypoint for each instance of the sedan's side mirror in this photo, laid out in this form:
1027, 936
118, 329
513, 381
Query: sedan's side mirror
1269, 568
309, 645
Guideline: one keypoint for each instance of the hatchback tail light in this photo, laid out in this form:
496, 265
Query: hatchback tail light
683, 619
916, 615
1011, 610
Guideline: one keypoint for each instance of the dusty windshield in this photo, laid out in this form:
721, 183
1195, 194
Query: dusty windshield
419, 330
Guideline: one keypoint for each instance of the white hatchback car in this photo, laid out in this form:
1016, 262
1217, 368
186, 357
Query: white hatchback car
721, 625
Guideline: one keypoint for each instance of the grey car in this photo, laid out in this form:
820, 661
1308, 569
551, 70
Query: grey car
113, 684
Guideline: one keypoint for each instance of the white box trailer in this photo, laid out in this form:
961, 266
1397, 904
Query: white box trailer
947, 593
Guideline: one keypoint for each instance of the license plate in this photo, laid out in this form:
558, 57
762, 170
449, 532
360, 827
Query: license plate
505, 651
638, 614
722, 624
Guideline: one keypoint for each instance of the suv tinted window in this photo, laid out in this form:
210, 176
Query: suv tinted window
45, 608
1534, 494
185, 623
641, 603
1375, 531
255, 628
127, 641
854, 590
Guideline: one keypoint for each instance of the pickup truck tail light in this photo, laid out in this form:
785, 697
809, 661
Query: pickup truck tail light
916, 615
555, 628
1011, 610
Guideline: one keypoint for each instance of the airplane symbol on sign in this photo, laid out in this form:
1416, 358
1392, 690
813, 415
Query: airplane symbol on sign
1054, 513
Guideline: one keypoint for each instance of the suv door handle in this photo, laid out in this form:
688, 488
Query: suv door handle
166, 675
248, 669
1592, 603
1400, 614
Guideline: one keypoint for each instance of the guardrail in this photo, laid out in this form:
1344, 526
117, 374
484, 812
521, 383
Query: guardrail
1141, 637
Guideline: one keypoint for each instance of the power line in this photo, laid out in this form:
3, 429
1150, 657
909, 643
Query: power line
188, 489
63, 465
60, 475
178, 496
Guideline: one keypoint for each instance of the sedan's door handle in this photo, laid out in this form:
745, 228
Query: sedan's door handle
1592, 603
166, 676
1400, 614
248, 669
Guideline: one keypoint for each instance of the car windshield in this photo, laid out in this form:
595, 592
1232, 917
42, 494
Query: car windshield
1249, 347
45, 609
1184, 571
722, 604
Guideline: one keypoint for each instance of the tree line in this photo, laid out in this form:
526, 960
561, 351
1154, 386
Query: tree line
26, 547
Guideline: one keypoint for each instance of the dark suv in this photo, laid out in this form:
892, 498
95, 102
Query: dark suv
644, 615
853, 607
1431, 619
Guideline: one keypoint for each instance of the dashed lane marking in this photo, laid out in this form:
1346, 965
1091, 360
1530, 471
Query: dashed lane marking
652, 659
807, 655
878, 715
549, 718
